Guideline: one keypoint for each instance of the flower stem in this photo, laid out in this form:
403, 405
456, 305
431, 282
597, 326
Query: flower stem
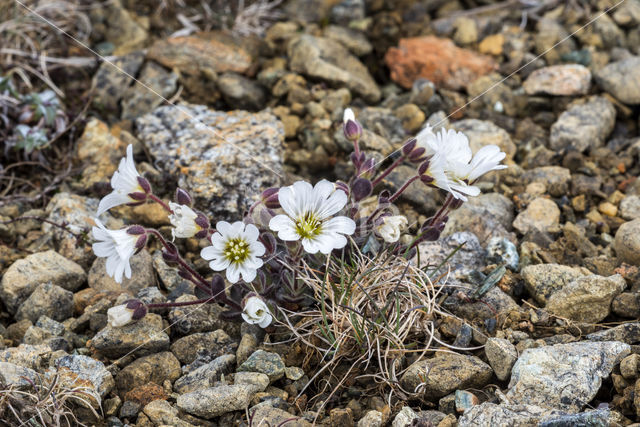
401, 189
388, 170
160, 202
180, 304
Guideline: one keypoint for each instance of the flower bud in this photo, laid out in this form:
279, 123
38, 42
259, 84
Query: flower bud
202, 221
342, 186
408, 147
455, 204
126, 313
426, 179
169, 258
350, 126
137, 195
182, 197
369, 165
141, 242
217, 285
361, 188
423, 167
272, 202
136, 230
417, 154
269, 192
144, 184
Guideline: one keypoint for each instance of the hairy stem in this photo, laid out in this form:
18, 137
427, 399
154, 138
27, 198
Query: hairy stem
388, 170
159, 201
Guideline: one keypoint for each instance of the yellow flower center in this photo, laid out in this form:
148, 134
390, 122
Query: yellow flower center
308, 226
236, 250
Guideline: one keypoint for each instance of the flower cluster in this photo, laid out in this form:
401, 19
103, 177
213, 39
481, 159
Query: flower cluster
290, 226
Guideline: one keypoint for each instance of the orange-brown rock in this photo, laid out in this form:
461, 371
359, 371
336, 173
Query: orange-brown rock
146, 393
438, 60
208, 53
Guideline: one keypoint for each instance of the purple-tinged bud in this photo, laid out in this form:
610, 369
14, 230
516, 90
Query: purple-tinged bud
417, 154
139, 312
354, 159
361, 188
426, 179
408, 147
144, 184
201, 234
362, 158
136, 230
272, 202
168, 257
171, 248
141, 242
431, 234
269, 192
383, 197
132, 304
455, 204
202, 221
182, 197
350, 126
269, 241
185, 275
342, 186
217, 285
369, 165
423, 167
141, 197
132, 204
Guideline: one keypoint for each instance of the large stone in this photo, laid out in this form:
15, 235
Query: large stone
267, 415
16, 375
326, 59
556, 179
77, 370
488, 215
501, 355
224, 159
627, 242
160, 412
563, 376
143, 275
215, 401
146, 336
264, 362
437, 60
446, 373
154, 83
621, 79
627, 332
491, 414
110, 83
541, 214
584, 126
206, 375
484, 132
542, 280
586, 299
47, 300
208, 53
100, 149
204, 344
155, 368
25, 275
469, 255
567, 80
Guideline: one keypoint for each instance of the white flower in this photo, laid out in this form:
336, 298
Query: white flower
119, 316
183, 220
348, 115
392, 227
256, 311
235, 248
453, 166
117, 246
124, 183
308, 216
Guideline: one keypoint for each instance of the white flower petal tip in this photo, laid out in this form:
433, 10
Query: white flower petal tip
309, 217
123, 182
256, 311
391, 228
348, 115
236, 249
117, 246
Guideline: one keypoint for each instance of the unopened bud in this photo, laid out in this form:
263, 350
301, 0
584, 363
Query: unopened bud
350, 126
272, 202
182, 197
361, 188
169, 257
408, 147
342, 186
202, 221
139, 196
139, 312
417, 154
141, 242
423, 167
136, 230
455, 204
144, 184
217, 285
426, 179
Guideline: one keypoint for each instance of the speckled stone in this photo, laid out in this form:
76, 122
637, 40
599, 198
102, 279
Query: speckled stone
143, 337
215, 401
264, 362
224, 167
584, 126
139, 100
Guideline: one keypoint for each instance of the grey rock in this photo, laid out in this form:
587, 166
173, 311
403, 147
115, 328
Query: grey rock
383, 122
595, 418
555, 178
492, 302
203, 344
26, 274
293, 373
503, 251
630, 208
469, 257
143, 337
501, 355
490, 414
564, 80
627, 304
621, 79
265, 414
186, 320
215, 401
111, 84
138, 100
563, 376
372, 418
484, 132
627, 333
264, 362
47, 300
352, 39
16, 375
541, 214
488, 215
542, 280
168, 276
141, 265
226, 169
347, 11
160, 412
404, 417
29, 356
50, 325
206, 375
586, 299
627, 242
444, 374
256, 378
156, 368
424, 198
325, 59
88, 369
241, 93
584, 126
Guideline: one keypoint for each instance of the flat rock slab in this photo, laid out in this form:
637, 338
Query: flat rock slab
224, 159
568, 79
563, 376
143, 337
